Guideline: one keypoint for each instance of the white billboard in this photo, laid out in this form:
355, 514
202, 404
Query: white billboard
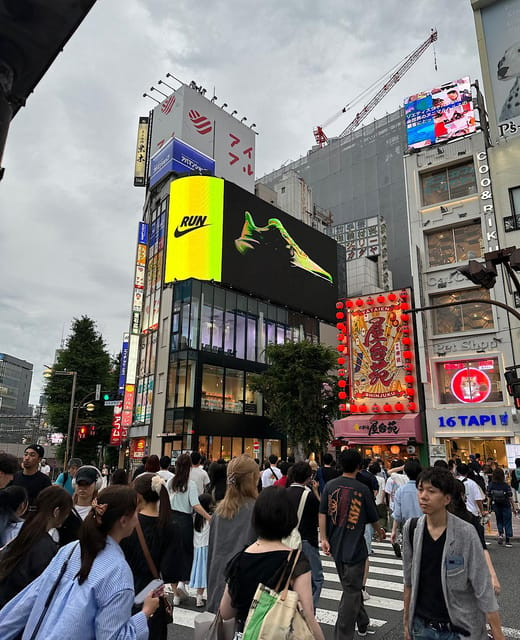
501, 24
188, 115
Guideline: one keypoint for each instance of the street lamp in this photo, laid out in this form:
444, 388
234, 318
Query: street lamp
48, 373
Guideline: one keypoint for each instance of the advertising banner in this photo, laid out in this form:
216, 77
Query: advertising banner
127, 409
439, 115
178, 157
115, 435
124, 363
501, 24
140, 153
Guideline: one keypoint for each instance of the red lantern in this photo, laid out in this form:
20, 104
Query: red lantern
341, 361
341, 337
403, 295
407, 341
380, 299
342, 383
410, 392
342, 395
409, 379
353, 408
375, 408
399, 406
412, 406
343, 407
392, 297
358, 395
408, 367
408, 355
370, 301
340, 315
359, 302
387, 407
405, 317
339, 305
341, 372
404, 306
363, 408
405, 330
350, 304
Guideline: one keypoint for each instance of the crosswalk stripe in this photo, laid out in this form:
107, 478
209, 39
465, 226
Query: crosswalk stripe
373, 601
384, 584
373, 559
325, 616
333, 577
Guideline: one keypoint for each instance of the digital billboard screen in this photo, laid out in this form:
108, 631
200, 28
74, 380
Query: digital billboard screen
439, 115
219, 231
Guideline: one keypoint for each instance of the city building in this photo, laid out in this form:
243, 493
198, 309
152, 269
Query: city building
361, 177
220, 273
463, 348
15, 387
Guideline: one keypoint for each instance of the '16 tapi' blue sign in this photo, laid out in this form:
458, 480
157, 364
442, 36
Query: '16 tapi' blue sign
177, 156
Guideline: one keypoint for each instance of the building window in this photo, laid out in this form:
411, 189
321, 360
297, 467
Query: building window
465, 317
212, 388
253, 402
448, 183
234, 391
469, 381
457, 244
512, 223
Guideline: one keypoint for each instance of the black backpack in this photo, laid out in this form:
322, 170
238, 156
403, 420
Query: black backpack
499, 497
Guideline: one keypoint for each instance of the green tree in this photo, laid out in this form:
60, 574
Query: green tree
299, 391
85, 352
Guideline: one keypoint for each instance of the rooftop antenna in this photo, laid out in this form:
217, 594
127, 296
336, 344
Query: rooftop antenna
162, 82
146, 95
169, 75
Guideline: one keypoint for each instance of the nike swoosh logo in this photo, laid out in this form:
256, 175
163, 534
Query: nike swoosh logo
178, 233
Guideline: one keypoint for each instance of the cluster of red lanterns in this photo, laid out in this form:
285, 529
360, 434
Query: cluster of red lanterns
398, 302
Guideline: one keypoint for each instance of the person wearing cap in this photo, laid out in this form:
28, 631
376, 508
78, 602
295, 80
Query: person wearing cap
87, 480
8, 467
30, 477
66, 478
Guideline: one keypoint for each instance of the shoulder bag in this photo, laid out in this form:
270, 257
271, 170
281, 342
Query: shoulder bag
208, 626
48, 601
275, 614
163, 602
294, 539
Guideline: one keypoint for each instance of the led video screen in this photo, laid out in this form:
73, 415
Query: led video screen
275, 256
439, 115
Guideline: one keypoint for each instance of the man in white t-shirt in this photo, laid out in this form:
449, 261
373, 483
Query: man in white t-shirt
474, 497
197, 473
44, 467
272, 473
165, 472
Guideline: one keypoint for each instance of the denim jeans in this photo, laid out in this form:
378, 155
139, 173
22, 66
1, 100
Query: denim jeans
421, 632
351, 608
369, 533
504, 517
313, 556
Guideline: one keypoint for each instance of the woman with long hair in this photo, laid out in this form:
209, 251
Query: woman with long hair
27, 555
217, 477
160, 535
87, 591
274, 517
14, 502
231, 529
152, 464
184, 501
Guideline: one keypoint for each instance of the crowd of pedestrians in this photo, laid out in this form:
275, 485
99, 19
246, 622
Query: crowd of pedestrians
90, 555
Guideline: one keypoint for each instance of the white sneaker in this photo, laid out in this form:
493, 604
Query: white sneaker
200, 601
176, 601
366, 595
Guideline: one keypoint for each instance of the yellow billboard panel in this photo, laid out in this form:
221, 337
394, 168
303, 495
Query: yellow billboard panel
195, 226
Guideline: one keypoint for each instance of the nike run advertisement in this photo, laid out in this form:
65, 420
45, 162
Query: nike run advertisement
194, 247
218, 231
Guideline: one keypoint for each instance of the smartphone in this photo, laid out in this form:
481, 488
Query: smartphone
151, 586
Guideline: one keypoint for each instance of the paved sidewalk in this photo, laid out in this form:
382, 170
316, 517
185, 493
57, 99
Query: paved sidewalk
490, 530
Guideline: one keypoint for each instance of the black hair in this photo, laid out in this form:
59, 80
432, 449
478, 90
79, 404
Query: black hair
8, 464
375, 468
36, 525
517, 462
119, 476
120, 501
11, 498
328, 459
152, 464
284, 468
498, 475
350, 460
274, 515
439, 478
143, 485
463, 469
206, 502
179, 482
195, 457
412, 468
457, 505
165, 462
365, 463
441, 463
396, 463
273, 459
301, 472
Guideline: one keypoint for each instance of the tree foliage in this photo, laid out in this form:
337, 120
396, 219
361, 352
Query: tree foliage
86, 353
299, 392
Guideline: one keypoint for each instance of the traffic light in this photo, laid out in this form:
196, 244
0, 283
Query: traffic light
111, 398
82, 432
483, 274
513, 385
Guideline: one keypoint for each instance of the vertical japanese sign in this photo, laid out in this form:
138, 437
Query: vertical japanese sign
140, 153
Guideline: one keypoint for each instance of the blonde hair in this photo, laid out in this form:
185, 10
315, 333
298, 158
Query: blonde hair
242, 485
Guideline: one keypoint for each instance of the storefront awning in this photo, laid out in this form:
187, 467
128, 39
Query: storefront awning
379, 429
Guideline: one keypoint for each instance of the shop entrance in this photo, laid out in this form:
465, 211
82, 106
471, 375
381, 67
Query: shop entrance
227, 447
487, 448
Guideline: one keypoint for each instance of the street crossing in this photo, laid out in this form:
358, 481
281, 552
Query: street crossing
384, 585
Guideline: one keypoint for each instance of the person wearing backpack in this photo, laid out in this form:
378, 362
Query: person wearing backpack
502, 504
65, 479
515, 481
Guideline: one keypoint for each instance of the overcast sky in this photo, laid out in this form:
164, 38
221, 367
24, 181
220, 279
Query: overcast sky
68, 206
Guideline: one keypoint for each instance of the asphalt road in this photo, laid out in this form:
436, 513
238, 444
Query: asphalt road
385, 588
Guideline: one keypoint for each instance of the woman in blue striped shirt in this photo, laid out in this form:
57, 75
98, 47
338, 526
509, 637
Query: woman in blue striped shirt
94, 597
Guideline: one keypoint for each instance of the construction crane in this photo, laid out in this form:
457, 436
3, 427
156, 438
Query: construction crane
319, 133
